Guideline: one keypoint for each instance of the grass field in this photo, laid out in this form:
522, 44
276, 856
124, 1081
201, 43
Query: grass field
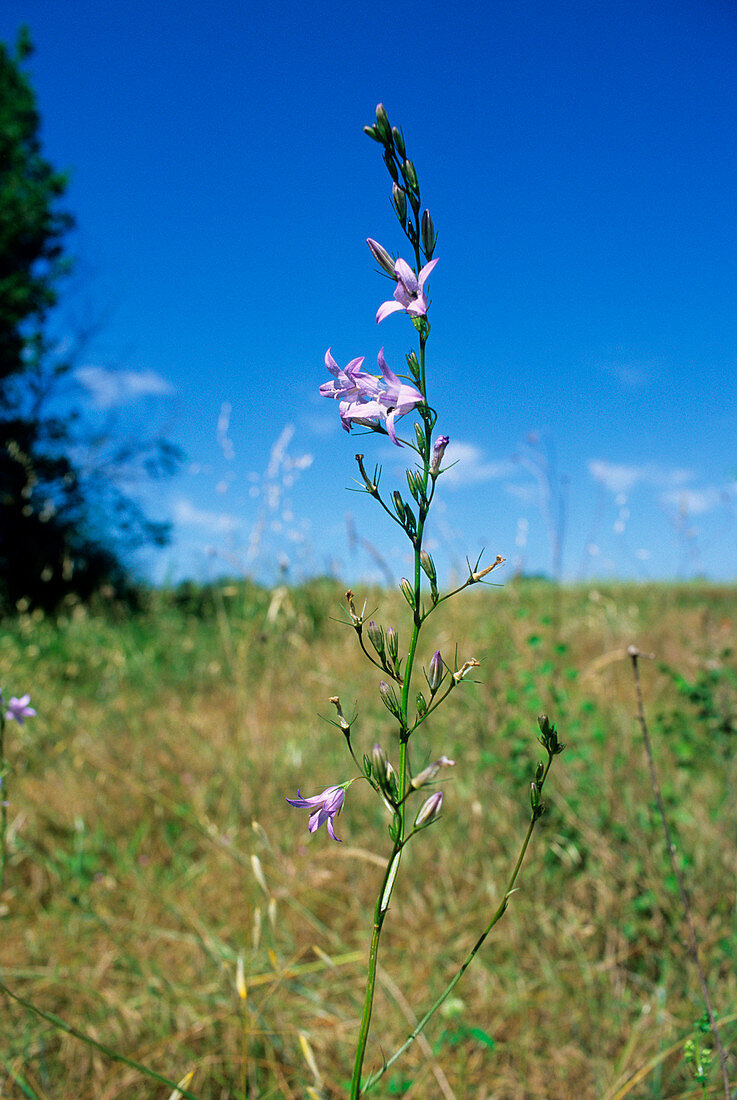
150, 846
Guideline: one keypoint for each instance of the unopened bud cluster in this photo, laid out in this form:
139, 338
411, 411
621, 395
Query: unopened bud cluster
386, 646
405, 187
549, 736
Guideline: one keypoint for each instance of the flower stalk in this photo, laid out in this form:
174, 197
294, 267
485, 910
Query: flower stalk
377, 403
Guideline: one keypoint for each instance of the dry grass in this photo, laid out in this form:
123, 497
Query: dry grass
157, 769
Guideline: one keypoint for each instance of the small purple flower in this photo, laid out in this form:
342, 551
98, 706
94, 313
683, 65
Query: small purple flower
325, 808
409, 294
349, 387
18, 709
398, 399
366, 398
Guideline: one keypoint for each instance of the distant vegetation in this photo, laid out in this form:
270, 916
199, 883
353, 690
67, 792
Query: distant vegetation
146, 801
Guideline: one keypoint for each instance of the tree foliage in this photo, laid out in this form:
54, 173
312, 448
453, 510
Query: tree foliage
65, 527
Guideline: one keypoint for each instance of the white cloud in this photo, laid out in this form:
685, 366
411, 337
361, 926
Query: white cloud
471, 465
109, 388
622, 478
186, 513
695, 502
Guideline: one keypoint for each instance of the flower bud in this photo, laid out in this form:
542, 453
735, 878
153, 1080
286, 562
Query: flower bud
382, 124
438, 452
420, 433
378, 763
414, 370
399, 141
428, 567
435, 673
398, 504
371, 131
428, 774
430, 810
408, 592
549, 739
376, 635
399, 198
392, 780
416, 488
427, 233
389, 698
391, 165
392, 643
410, 176
421, 704
381, 256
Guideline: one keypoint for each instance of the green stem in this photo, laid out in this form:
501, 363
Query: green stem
499, 913
390, 874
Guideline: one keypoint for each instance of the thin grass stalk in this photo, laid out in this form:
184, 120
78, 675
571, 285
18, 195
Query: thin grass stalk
69, 1029
693, 946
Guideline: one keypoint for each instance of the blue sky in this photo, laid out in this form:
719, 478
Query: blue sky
579, 163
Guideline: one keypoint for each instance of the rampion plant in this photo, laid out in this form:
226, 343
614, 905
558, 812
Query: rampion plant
377, 403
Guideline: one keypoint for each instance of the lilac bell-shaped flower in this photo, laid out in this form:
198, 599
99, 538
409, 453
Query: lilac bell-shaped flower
325, 808
409, 295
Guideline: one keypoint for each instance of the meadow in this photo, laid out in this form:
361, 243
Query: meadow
150, 848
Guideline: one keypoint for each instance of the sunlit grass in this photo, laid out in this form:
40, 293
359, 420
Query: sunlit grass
157, 767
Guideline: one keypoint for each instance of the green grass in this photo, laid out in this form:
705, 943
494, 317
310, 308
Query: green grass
157, 767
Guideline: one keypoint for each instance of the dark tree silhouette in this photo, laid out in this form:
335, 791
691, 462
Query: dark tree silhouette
63, 529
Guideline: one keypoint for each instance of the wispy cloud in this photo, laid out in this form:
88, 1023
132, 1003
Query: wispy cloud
189, 515
109, 388
696, 502
472, 466
623, 477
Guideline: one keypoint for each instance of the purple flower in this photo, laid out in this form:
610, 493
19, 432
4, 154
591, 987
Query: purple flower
349, 386
366, 398
18, 709
325, 808
398, 399
409, 294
